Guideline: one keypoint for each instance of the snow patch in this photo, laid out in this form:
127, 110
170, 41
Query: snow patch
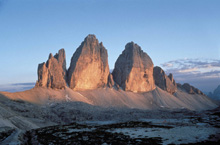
80, 94
68, 99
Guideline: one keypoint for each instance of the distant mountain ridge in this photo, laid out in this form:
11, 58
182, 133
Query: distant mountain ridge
216, 94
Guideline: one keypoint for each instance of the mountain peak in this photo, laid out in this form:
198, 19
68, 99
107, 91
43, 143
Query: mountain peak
91, 38
89, 67
134, 69
131, 46
50, 56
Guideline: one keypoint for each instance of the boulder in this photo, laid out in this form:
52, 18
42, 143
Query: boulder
52, 74
134, 70
163, 81
89, 67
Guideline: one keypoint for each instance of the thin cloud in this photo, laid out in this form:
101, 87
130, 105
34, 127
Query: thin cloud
193, 63
167, 65
195, 71
188, 70
16, 87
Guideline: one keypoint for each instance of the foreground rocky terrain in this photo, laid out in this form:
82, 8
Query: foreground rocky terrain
156, 117
191, 130
81, 123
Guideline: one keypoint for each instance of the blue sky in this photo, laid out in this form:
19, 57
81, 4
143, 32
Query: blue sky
168, 30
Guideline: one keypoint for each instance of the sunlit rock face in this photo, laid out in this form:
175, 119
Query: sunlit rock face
89, 67
134, 70
52, 74
163, 81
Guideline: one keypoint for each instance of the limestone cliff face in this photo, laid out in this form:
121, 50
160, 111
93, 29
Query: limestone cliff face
163, 81
52, 74
89, 67
134, 70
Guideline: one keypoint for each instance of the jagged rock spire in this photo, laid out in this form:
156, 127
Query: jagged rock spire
52, 74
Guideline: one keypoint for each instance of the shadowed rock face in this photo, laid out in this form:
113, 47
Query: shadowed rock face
170, 76
134, 70
111, 82
191, 90
161, 80
89, 67
53, 73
